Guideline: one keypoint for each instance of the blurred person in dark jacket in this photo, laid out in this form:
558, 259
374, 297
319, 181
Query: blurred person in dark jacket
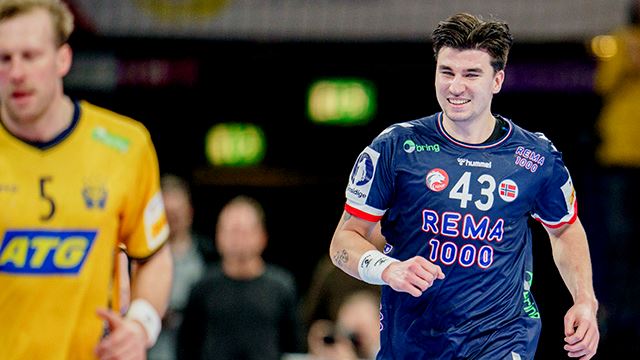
244, 308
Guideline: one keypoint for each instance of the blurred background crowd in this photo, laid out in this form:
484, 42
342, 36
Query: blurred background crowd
274, 99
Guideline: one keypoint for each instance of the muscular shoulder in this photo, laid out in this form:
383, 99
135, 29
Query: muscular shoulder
113, 129
403, 129
405, 134
536, 141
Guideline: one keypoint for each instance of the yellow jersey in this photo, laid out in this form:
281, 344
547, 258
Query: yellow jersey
66, 207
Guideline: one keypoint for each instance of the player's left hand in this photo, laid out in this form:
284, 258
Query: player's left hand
581, 331
126, 340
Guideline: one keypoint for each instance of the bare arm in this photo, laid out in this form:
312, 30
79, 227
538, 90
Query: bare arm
354, 237
151, 281
571, 255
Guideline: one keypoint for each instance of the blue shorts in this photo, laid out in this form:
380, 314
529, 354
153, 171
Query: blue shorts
517, 340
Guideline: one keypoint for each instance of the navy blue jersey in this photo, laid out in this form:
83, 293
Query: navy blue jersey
463, 207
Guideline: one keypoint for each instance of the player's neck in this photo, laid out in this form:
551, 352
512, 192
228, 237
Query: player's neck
45, 127
243, 268
471, 131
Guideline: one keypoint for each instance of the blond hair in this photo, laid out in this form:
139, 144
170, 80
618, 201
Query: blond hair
60, 14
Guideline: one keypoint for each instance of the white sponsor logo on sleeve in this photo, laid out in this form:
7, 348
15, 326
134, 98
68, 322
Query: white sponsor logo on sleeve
362, 176
156, 227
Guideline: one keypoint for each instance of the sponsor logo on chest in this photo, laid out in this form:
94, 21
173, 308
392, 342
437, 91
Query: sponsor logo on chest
528, 159
45, 252
473, 163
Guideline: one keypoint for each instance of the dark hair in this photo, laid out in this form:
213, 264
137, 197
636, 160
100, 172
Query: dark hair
467, 32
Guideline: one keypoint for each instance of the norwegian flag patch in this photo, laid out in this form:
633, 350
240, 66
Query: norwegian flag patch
508, 190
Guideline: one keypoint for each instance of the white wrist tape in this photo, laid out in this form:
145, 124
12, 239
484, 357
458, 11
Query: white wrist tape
372, 264
143, 312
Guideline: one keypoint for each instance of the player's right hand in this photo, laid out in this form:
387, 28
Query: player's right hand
126, 339
413, 276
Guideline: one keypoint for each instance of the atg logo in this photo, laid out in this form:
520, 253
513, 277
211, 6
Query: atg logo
363, 171
45, 252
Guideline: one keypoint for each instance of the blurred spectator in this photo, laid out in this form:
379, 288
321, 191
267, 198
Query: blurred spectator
359, 316
188, 262
244, 308
181, 220
354, 335
329, 288
618, 81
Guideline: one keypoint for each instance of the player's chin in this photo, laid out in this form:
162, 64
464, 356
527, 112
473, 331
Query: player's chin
456, 114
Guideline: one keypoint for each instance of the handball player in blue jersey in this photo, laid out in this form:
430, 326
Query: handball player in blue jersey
452, 193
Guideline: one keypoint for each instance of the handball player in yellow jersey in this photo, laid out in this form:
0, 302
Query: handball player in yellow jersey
77, 182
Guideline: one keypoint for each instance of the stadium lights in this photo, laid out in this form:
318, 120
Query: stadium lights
235, 144
604, 46
341, 101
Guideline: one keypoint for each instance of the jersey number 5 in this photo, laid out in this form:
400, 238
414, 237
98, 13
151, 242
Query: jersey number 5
46, 197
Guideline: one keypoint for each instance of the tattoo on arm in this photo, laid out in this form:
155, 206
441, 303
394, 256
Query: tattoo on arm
341, 257
346, 216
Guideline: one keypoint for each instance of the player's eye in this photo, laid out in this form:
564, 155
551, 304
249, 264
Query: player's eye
29, 55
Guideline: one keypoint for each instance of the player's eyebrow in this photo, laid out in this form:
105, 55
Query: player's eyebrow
473, 70
469, 70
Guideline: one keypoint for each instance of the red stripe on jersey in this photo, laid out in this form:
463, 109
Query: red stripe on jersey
361, 214
570, 221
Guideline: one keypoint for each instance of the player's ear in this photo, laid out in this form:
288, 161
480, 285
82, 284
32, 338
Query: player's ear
498, 79
64, 59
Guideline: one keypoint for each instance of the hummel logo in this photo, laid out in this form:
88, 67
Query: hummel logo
467, 162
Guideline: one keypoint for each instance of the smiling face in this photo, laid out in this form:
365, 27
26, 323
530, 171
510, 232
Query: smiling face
465, 84
32, 66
